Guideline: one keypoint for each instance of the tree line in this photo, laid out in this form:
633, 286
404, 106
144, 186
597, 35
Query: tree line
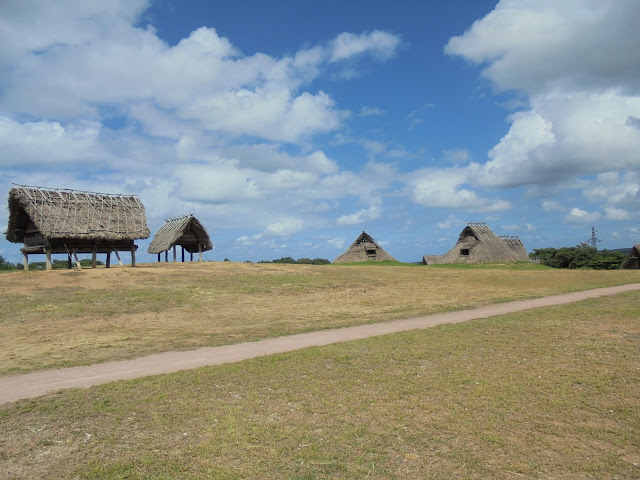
580, 256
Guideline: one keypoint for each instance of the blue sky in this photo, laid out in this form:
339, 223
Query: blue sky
289, 127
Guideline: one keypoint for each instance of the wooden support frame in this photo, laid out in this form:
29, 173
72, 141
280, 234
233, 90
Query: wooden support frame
47, 253
75, 255
174, 254
118, 257
108, 265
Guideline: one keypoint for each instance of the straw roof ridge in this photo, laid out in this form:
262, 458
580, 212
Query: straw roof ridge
74, 214
478, 244
184, 230
363, 249
633, 259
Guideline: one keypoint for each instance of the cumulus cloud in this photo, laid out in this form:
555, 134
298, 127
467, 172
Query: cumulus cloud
285, 227
381, 44
449, 188
578, 63
616, 214
361, 216
203, 80
577, 215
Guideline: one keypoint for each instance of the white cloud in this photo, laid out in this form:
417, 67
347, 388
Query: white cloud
616, 214
381, 44
577, 215
445, 188
361, 216
538, 45
337, 242
49, 143
578, 63
371, 111
457, 155
552, 206
449, 222
285, 227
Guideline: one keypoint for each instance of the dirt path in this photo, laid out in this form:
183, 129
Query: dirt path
32, 385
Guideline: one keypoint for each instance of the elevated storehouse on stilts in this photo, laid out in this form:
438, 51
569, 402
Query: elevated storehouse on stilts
185, 231
364, 249
69, 222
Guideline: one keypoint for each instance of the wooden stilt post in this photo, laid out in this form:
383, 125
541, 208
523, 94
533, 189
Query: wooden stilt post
109, 259
47, 253
69, 262
75, 255
118, 257
182, 253
94, 257
191, 253
166, 256
199, 252
25, 260
174, 254
133, 256
158, 257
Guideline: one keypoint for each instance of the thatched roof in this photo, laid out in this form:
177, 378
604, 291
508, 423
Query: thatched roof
185, 231
478, 244
364, 249
71, 214
633, 259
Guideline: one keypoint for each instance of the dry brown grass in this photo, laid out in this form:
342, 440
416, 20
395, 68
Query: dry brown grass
63, 318
551, 393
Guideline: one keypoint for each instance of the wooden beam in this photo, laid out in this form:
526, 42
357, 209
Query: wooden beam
69, 262
25, 259
174, 254
94, 257
158, 257
182, 254
75, 255
166, 256
47, 253
108, 259
133, 256
191, 253
118, 257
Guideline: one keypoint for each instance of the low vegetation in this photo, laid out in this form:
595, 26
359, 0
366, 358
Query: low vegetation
300, 261
580, 256
549, 393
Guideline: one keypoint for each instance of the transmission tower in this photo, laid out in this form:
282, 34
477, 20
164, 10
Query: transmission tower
593, 241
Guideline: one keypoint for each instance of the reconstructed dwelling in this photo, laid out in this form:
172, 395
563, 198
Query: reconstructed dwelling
185, 231
53, 221
478, 244
364, 249
633, 259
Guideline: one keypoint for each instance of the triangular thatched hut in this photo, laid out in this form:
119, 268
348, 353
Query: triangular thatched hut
185, 231
364, 249
478, 244
52, 221
633, 259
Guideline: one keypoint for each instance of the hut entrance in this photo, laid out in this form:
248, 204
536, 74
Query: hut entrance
464, 252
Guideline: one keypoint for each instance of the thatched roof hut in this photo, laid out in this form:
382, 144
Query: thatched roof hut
364, 249
53, 221
633, 259
478, 244
185, 231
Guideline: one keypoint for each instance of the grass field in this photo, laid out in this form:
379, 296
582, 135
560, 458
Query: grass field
551, 393
64, 318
